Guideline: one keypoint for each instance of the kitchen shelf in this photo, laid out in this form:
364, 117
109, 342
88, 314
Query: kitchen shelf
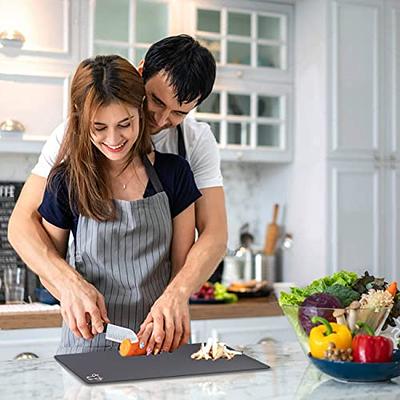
23, 145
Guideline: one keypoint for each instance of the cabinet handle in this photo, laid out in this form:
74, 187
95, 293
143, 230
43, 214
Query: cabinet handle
12, 38
11, 125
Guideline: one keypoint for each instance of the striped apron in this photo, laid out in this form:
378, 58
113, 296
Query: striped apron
127, 260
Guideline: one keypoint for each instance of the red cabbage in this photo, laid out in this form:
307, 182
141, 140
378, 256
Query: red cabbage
316, 305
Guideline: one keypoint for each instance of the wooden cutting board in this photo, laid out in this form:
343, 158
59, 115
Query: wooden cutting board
110, 367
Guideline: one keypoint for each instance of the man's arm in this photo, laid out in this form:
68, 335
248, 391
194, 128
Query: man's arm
200, 263
28, 237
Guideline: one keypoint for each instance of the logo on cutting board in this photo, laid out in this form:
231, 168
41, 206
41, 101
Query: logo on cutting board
94, 377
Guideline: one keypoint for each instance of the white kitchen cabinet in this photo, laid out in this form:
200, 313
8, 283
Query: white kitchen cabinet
347, 138
42, 342
35, 73
243, 331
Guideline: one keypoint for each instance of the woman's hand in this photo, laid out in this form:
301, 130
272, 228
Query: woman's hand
169, 319
82, 307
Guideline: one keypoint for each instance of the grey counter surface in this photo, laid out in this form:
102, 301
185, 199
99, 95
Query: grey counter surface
290, 377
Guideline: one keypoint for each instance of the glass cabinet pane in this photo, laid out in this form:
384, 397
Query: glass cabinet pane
238, 104
107, 50
208, 21
214, 46
139, 55
151, 21
239, 24
239, 53
268, 135
268, 27
239, 133
269, 56
210, 105
268, 107
215, 128
112, 20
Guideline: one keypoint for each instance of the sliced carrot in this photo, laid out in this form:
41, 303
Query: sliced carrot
127, 349
392, 288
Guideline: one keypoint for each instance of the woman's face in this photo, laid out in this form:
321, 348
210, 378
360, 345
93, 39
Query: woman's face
115, 129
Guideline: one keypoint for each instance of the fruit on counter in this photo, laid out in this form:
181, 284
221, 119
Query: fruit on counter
247, 286
216, 291
127, 348
321, 337
368, 348
221, 293
213, 350
316, 305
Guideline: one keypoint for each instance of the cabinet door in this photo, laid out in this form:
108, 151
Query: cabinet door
356, 61
355, 207
50, 29
392, 82
37, 101
392, 222
245, 331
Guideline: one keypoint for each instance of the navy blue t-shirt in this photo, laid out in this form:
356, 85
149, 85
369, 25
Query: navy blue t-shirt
173, 171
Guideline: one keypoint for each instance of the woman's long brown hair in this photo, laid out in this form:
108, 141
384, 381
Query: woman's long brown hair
97, 82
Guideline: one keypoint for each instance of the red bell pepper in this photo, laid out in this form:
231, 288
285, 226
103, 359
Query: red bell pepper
368, 348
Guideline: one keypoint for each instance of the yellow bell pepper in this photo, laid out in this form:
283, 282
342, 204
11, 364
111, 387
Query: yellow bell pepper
328, 332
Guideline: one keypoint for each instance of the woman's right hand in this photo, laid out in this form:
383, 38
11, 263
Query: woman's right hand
82, 308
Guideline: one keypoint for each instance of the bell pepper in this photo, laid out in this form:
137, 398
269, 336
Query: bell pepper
368, 348
329, 332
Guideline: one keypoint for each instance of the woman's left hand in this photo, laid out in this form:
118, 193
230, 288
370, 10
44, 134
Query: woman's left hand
171, 324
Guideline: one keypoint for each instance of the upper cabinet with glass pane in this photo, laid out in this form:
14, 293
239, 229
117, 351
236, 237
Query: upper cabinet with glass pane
129, 27
254, 42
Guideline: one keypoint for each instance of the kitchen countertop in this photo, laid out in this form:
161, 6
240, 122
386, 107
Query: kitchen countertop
244, 308
290, 377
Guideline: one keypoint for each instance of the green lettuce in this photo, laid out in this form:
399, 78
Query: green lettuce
298, 295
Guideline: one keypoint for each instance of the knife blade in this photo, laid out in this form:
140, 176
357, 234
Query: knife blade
116, 333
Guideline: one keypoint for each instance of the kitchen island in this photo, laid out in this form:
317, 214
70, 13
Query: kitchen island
290, 377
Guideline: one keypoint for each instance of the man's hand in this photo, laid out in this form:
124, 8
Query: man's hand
83, 308
171, 325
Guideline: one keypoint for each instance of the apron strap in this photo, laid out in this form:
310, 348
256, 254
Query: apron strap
151, 172
181, 142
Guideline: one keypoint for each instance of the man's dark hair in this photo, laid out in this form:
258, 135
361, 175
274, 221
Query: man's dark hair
190, 67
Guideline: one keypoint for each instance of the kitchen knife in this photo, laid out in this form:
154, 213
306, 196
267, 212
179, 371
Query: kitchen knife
117, 333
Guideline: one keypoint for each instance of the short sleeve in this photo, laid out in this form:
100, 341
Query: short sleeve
55, 207
205, 159
49, 152
185, 190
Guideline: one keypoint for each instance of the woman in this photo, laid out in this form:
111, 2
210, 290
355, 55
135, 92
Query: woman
129, 208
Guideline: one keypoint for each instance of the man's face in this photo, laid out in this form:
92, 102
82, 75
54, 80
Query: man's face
164, 110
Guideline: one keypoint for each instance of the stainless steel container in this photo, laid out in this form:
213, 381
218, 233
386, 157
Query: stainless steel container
265, 267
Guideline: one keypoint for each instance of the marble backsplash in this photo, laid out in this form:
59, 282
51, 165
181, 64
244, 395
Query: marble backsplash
251, 190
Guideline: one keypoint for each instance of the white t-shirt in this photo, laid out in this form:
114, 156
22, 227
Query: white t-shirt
201, 151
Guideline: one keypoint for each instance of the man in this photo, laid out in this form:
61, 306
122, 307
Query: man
179, 74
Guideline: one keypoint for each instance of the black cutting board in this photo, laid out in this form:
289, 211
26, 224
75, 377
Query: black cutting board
110, 367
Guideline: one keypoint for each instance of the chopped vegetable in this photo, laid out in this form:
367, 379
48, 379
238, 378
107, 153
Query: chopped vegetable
127, 348
370, 348
323, 335
213, 350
